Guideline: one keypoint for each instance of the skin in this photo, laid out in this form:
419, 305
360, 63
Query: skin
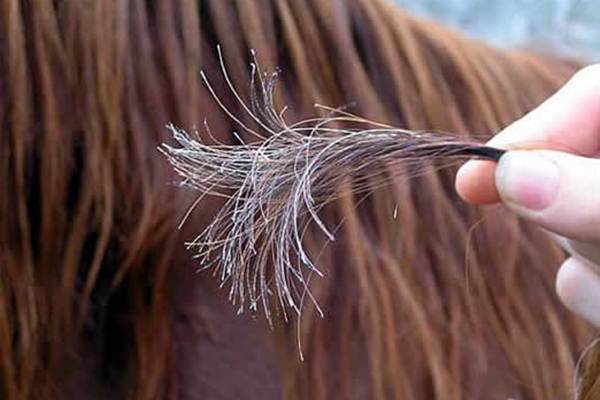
553, 179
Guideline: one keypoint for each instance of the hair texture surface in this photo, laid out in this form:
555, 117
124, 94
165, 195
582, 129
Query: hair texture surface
93, 263
276, 186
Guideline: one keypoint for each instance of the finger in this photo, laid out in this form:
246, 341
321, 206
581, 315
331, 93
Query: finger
559, 191
578, 286
475, 182
567, 121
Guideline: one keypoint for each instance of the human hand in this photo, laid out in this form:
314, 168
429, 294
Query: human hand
557, 190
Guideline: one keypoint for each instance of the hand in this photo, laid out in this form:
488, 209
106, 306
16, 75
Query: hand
557, 190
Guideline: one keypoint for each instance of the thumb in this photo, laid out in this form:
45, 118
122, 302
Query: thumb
559, 191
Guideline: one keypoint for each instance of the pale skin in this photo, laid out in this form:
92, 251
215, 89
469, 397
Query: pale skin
553, 179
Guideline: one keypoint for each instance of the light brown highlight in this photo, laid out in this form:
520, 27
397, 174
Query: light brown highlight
91, 255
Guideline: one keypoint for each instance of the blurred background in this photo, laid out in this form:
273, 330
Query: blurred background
569, 26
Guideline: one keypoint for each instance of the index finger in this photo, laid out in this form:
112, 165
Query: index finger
567, 121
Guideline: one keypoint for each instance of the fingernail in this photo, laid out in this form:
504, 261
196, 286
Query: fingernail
527, 179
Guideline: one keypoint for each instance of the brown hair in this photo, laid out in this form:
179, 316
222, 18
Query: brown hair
89, 239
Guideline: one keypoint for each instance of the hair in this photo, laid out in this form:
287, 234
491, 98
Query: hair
445, 301
275, 186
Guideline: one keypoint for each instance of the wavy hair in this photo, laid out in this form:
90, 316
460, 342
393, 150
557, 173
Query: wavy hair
444, 301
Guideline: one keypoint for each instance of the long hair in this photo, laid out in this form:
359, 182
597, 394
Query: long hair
442, 300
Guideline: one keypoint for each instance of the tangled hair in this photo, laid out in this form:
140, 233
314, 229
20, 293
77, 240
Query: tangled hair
275, 187
444, 301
